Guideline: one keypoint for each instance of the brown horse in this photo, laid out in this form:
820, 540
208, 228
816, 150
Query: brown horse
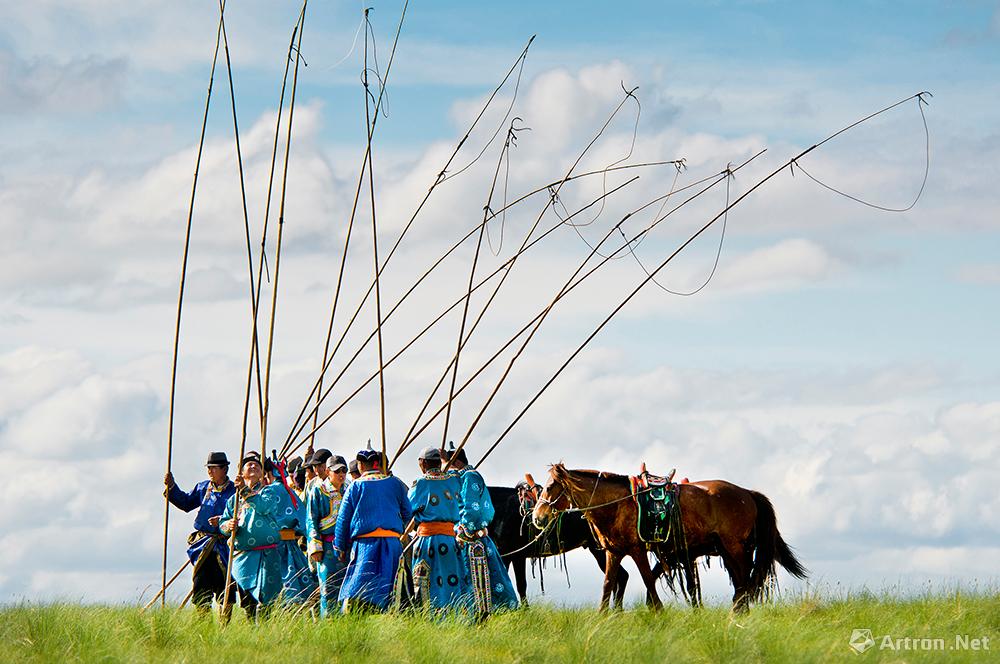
719, 519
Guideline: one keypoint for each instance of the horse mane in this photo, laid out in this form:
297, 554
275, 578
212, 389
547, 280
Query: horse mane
566, 475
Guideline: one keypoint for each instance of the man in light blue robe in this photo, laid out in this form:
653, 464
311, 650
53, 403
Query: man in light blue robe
438, 575
322, 507
489, 584
373, 514
256, 559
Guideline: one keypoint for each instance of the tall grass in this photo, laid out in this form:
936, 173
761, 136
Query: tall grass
807, 629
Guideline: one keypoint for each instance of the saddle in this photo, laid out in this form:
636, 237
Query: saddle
657, 501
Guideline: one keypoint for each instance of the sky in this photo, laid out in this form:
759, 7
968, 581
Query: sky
841, 359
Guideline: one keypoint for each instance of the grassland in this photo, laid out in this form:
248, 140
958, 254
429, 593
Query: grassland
802, 630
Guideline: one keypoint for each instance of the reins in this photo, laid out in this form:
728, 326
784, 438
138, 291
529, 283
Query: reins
589, 507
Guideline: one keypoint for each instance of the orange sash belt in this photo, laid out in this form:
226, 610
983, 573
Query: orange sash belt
428, 528
288, 534
380, 532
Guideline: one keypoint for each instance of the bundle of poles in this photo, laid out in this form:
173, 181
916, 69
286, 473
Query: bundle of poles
615, 243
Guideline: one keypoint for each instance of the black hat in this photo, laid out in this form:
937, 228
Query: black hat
293, 465
320, 456
368, 455
446, 452
217, 459
352, 467
252, 455
336, 462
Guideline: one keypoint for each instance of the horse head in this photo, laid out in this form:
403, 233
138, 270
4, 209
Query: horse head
554, 498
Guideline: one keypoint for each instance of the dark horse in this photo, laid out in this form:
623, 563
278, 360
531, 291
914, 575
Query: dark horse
719, 519
518, 539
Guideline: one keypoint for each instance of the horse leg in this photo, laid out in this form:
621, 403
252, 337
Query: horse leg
690, 577
642, 562
735, 560
620, 584
612, 565
520, 577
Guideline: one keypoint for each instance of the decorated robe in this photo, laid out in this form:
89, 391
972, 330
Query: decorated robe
322, 509
372, 516
257, 565
438, 575
297, 580
206, 541
487, 578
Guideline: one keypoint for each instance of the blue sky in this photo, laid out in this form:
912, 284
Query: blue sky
831, 332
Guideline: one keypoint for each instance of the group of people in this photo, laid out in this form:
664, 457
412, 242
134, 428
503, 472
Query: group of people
328, 536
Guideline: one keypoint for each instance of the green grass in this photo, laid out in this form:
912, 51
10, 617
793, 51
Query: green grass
807, 629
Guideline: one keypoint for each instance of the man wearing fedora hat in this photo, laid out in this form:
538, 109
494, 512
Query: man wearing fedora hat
207, 547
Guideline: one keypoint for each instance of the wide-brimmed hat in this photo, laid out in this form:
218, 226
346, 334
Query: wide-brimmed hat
217, 459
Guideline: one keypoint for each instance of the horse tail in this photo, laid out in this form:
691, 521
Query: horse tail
771, 549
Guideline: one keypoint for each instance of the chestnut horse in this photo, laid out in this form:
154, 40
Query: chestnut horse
719, 519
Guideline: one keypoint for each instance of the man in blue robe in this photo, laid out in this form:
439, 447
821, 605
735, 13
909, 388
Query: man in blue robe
438, 576
256, 560
322, 508
298, 582
488, 581
207, 547
373, 514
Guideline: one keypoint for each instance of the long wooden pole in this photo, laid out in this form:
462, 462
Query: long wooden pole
180, 303
460, 343
159, 593
277, 250
255, 309
378, 291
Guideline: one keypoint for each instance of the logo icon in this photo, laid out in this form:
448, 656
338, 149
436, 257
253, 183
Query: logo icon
861, 640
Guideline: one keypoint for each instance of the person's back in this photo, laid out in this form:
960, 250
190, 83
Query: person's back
438, 575
372, 517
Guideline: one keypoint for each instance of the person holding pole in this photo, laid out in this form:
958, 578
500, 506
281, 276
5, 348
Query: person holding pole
207, 548
257, 565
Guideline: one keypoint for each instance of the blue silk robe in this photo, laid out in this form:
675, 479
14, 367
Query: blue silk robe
257, 565
438, 575
322, 508
298, 582
371, 503
210, 501
475, 509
